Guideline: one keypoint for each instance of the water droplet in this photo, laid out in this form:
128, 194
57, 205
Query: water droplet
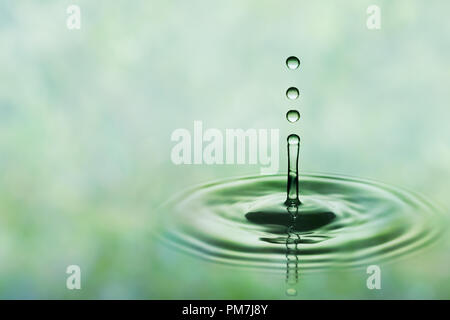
293, 139
292, 93
291, 292
292, 116
292, 63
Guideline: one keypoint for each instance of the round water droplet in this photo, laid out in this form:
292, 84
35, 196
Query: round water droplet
292, 63
293, 139
292, 116
291, 292
292, 93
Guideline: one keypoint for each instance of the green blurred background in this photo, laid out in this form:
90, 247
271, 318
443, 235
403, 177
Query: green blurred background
86, 118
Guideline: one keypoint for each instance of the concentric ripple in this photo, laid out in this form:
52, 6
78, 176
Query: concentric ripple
342, 221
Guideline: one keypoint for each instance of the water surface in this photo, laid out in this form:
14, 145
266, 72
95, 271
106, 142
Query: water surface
342, 221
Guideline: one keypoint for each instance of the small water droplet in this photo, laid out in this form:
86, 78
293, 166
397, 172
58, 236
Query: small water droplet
292, 63
292, 93
292, 116
291, 292
293, 139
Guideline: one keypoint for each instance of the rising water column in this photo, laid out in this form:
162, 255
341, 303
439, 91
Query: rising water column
293, 145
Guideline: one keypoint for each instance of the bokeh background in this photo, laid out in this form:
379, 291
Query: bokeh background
86, 118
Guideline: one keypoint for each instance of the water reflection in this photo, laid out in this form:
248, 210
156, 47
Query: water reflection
292, 252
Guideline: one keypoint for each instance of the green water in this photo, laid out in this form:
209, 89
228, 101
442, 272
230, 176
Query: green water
335, 221
342, 222
86, 118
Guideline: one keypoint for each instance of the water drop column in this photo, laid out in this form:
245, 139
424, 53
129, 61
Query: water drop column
293, 141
